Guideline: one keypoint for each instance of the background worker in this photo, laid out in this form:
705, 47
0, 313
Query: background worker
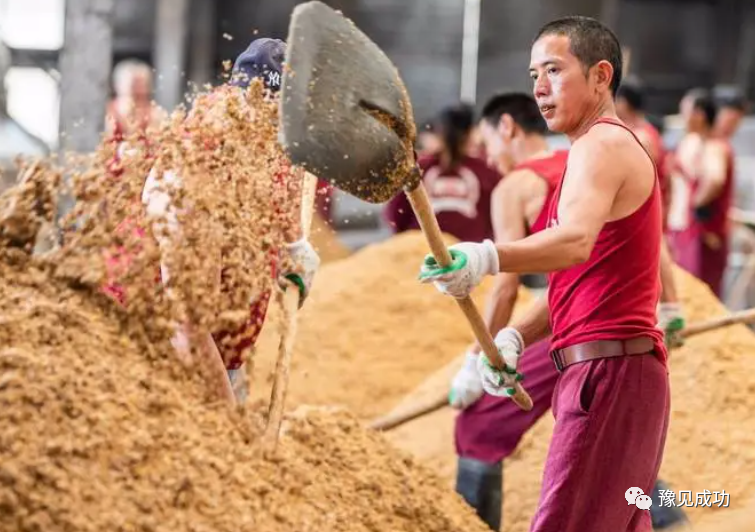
702, 170
224, 350
458, 184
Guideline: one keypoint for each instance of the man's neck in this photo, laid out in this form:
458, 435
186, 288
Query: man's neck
602, 109
531, 147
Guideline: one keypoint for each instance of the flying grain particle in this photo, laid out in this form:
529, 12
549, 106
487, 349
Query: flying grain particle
227, 36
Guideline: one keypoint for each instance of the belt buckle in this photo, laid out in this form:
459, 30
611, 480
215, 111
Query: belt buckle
556, 356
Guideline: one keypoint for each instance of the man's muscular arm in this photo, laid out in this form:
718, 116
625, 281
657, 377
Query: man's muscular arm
668, 285
592, 182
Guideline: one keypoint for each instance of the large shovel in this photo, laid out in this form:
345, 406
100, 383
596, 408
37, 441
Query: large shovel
423, 408
347, 118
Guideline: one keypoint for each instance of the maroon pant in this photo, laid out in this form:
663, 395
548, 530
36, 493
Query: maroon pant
611, 422
490, 429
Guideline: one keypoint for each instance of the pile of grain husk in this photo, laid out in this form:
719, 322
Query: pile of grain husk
98, 436
711, 437
370, 332
103, 428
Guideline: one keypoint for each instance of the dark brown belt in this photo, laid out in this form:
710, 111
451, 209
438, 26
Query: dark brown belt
601, 349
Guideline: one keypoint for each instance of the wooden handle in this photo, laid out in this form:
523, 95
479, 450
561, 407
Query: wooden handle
429, 224
743, 316
290, 303
412, 412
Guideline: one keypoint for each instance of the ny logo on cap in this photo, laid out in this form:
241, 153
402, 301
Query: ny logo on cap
273, 79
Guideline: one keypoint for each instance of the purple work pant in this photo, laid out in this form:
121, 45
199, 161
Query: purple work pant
611, 422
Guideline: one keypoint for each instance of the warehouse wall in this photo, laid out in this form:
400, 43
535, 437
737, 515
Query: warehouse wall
422, 37
675, 44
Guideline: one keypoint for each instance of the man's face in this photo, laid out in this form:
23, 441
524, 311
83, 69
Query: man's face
141, 86
728, 120
497, 147
560, 87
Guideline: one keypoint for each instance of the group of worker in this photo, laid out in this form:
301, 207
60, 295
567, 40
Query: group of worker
595, 348
594, 219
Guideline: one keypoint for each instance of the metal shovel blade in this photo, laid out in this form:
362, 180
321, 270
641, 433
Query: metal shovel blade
345, 113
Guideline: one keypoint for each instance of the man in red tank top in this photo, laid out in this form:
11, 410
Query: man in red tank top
702, 173
602, 248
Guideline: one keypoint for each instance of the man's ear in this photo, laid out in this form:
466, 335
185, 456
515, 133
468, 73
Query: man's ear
603, 72
506, 126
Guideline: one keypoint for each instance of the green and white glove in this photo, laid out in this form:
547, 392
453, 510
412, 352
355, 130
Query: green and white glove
471, 262
466, 386
671, 322
510, 345
305, 262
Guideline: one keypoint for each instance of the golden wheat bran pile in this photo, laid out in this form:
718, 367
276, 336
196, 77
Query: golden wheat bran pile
103, 429
711, 438
99, 437
370, 332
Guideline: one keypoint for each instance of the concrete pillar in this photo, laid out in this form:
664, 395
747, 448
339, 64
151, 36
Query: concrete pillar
171, 31
202, 42
729, 21
85, 65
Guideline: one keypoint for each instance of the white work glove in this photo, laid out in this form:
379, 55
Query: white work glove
510, 345
471, 262
671, 322
466, 386
305, 262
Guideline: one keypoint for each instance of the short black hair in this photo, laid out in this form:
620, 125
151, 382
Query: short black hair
590, 41
520, 106
634, 93
703, 100
730, 97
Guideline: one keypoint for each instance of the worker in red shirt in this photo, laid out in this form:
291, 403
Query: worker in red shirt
224, 350
489, 428
602, 250
702, 177
459, 185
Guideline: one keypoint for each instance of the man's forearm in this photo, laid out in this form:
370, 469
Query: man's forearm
500, 304
708, 192
547, 251
668, 285
534, 325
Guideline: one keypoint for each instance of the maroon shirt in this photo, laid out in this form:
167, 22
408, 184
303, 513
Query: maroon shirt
460, 198
613, 295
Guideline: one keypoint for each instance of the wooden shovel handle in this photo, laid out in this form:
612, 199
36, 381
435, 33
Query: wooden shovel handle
410, 413
743, 316
290, 303
429, 224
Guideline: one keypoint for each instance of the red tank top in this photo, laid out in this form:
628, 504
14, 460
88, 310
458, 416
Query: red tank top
665, 183
718, 222
550, 169
613, 295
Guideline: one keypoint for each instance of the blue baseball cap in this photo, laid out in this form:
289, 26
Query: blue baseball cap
262, 59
